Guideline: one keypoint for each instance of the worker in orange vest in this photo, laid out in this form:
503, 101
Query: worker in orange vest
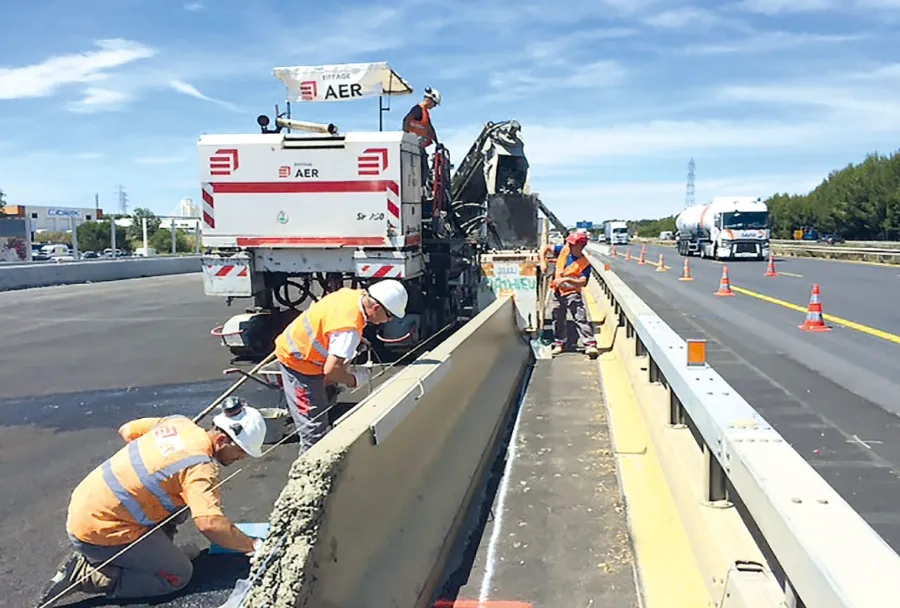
573, 271
316, 350
418, 122
167, 464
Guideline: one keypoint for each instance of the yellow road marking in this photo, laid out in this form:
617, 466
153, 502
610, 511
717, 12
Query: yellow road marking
833, 319
665, 560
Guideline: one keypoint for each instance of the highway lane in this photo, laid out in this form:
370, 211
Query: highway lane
78, 361
831, 395
139, 332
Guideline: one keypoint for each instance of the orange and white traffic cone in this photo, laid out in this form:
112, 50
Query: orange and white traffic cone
686, 272
628, 254
661, 267
642, 261
724, 284
612, 251
770, 271
814, 319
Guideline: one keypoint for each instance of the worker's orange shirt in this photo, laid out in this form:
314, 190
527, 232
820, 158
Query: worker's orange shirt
98, 517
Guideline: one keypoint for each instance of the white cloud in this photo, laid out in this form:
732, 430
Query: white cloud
781, 7
159, 160
44, 78
97, 100
520, 83
769, 41
194, 6
678, 18
191, 90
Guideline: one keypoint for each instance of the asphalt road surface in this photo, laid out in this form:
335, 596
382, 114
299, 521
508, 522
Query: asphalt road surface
833, 395
78, 361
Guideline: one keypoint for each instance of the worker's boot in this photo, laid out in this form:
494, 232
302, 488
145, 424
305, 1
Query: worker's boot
592, 351
557, 349
76, 575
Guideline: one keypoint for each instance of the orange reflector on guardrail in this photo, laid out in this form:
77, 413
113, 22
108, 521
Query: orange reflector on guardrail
696, 353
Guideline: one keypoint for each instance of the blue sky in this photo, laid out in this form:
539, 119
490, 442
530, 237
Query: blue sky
614, 96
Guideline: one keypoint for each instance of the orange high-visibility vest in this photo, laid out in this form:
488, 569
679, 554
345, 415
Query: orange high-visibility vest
572, 270
303, 345
421, 127
139, 486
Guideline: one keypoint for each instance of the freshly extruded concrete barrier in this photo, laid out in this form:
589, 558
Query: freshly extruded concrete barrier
69, 273
371, 512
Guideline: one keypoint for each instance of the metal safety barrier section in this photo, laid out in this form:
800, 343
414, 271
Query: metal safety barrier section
26, 276
830, 556
371, 512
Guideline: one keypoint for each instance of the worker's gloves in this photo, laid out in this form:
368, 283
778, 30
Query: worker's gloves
257, 545
362, 375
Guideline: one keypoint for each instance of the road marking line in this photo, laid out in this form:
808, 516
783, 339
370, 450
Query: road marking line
849, 324
665, 561
789, 274
503, 491
865, 443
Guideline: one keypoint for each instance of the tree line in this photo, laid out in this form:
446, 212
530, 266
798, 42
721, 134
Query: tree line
860, 202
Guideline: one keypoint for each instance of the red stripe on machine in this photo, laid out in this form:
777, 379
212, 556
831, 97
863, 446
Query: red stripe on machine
223, 271
304, 187
209, 220
208, 198
334, 241
382, 271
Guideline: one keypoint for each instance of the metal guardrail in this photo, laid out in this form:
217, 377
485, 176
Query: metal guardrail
830, 556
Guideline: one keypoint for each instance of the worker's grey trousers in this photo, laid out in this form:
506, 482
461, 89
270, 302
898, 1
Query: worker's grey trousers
308, 404
572, 303
150, 567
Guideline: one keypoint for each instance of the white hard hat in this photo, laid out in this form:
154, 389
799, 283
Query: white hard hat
246, 426
434, 95
392, 295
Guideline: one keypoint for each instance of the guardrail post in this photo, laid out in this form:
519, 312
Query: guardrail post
676, 411
714, 481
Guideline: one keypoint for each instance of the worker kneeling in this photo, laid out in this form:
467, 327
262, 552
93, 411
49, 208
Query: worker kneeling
167, 464
316, 350
573, 271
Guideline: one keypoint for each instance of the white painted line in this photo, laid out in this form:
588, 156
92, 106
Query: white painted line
501, 508
865, 444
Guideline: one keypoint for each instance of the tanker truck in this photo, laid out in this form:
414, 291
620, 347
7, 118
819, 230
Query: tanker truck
733, 227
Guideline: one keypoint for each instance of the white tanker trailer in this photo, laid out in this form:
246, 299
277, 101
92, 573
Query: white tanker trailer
726, 228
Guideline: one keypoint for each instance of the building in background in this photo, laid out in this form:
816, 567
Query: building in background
53, 219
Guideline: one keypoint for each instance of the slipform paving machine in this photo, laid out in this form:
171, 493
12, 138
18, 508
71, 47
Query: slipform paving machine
288, 217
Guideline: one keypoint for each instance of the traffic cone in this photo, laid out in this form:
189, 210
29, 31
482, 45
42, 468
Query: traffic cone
641, 260
686, 272
628, 254
770, 271
724, 284
814, 320
661, 267
613, 251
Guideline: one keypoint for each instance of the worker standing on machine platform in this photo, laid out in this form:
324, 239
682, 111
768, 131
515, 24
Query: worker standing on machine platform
167, 463
418, 122
573, 271
316, 349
